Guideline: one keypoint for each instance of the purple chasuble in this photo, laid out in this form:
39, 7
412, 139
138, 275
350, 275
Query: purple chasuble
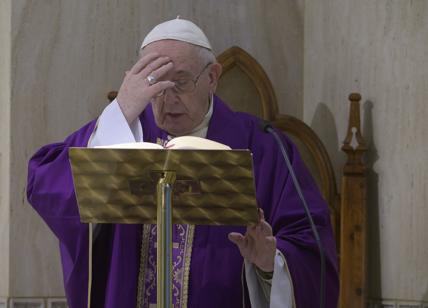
216, 266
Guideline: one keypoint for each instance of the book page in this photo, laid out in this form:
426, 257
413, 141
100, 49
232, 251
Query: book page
195, 143
132, 145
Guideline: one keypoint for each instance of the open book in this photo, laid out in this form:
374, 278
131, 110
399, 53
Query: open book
178, 143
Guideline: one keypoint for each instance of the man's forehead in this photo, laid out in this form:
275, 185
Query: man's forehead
181, 53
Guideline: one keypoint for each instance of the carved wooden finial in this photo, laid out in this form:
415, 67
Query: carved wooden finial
355, 97
354, 144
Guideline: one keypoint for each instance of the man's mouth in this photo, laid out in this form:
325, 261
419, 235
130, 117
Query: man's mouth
174, 115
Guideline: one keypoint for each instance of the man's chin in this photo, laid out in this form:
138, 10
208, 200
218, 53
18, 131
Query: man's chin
177, 127
176, 130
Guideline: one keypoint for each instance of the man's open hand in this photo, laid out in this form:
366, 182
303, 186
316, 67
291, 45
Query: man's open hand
258, 245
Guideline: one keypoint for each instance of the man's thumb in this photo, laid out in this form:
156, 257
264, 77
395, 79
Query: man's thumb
236, 238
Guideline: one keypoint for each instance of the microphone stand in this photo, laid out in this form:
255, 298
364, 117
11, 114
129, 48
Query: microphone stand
266, 127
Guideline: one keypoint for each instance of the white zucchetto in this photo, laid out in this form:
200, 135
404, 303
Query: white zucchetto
180, 30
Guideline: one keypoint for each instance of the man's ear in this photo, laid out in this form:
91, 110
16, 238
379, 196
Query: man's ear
214, 75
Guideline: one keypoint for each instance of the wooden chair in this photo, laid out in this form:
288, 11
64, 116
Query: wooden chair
246, 87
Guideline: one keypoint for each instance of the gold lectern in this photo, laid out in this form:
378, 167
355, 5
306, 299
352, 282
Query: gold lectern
129, 186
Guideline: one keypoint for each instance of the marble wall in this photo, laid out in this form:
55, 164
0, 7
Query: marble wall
380, 49
5, 25
65, 57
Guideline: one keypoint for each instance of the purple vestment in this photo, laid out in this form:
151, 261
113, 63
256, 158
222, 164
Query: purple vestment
216, 264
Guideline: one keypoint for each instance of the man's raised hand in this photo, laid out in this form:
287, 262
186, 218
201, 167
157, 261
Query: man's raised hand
258, 245
136, 91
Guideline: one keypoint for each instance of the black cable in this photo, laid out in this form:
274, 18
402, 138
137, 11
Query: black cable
266, 127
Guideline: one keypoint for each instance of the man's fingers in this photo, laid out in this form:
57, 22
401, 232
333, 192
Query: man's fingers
159, 87
160, 71
265, 228
237, 238
262, 227
271, 240
143, 61
151, 67
261, 214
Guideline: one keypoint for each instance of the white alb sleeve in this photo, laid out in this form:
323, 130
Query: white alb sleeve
281, 293
112, 128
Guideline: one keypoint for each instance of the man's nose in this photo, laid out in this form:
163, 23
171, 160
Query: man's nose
170, 96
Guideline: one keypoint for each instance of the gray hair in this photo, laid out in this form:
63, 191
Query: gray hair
205, 55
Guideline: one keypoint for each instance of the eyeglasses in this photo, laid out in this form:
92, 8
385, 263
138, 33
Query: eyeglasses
185, 85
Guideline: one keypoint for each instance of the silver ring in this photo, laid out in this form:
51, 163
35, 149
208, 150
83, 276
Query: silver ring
151, 79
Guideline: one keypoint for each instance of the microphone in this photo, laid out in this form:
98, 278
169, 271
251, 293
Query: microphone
267, 128
265, 125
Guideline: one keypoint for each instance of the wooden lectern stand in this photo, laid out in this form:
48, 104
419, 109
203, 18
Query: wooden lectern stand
134, 186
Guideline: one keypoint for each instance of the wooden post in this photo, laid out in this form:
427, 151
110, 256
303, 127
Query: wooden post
353, 271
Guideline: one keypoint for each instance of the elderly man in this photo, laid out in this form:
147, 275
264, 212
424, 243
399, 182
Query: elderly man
170, 92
